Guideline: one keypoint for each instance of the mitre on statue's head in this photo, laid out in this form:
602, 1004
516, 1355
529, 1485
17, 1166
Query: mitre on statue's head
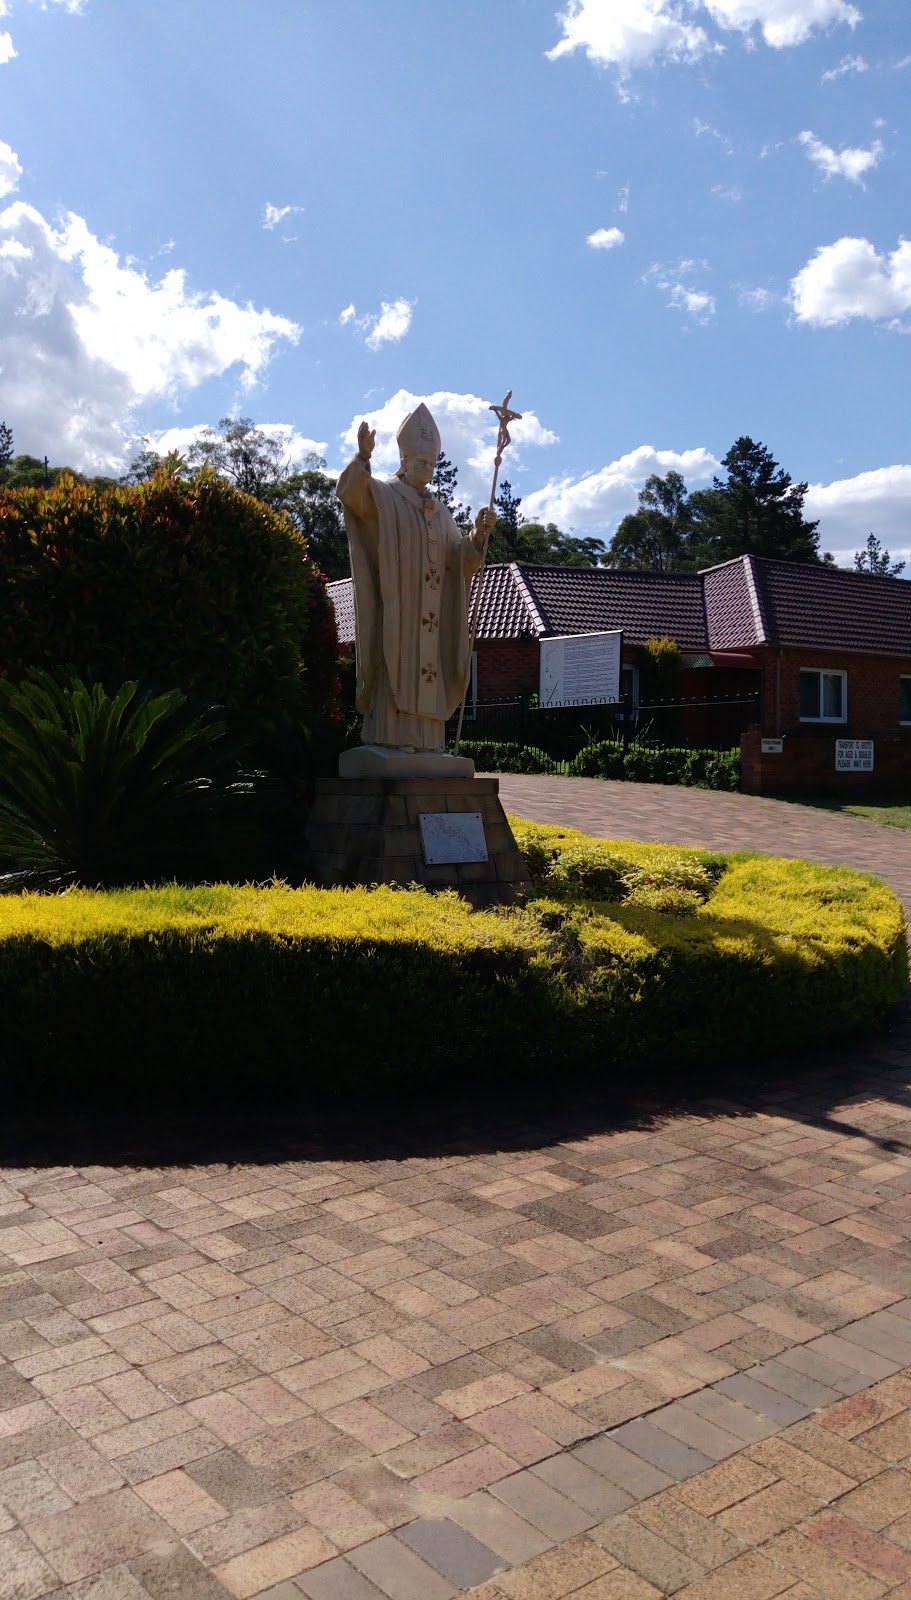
418, 434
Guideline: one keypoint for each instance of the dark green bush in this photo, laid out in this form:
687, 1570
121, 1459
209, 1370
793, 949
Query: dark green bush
187, 585
602, 760
490, 755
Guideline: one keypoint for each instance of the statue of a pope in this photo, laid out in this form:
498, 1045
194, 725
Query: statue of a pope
412, 568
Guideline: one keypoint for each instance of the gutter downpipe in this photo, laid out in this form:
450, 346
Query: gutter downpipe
778, 690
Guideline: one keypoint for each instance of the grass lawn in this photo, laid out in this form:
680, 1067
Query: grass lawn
896, 813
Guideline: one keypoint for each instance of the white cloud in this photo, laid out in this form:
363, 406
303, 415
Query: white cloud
627, 34
606, 238
850, 279
295, 445
846, 64
10, 169
873, 502
7, 48
392, 324
700, 127
758, 299
599, 499
734, 195
468, 430
84, 340
848, 163
782, 22
623, 198
273, 215
347, 315
682, 295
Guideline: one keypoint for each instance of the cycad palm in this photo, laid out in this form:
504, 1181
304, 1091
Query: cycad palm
91, 786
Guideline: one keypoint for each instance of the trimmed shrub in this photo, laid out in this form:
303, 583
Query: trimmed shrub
490, 755
601, 760
188, 585
224, 995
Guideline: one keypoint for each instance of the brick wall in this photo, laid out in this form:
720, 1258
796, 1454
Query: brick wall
806, 765
872, 693
507, 668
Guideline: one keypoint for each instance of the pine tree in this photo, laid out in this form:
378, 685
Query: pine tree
444, 486
6, 450
757, 510
877, 561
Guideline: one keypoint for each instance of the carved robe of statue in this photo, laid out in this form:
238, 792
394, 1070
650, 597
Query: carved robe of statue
412, 568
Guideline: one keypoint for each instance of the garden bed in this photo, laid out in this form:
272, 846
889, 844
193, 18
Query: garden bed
626, 957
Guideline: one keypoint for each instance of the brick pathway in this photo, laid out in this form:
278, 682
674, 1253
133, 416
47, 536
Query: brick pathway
719, 821
575, 1350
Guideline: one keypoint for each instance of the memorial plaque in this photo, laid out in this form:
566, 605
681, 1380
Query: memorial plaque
854, 755
773, 747
451, 837
581, 669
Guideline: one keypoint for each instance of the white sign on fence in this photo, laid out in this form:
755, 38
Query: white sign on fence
854, 755
581, 669
773, 747
452, 836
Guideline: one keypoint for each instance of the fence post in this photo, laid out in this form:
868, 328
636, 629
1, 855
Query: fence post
627, 703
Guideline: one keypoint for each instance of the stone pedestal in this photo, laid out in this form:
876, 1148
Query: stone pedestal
363, 830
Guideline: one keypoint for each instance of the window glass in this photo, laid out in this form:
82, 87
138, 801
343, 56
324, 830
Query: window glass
809, 694
832, 694
905, 712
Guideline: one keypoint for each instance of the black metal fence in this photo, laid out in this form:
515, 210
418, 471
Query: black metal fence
561, 732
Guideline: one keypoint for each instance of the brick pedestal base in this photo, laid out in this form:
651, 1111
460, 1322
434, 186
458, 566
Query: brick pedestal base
363, 830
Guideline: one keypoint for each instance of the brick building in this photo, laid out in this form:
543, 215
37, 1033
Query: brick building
804, 655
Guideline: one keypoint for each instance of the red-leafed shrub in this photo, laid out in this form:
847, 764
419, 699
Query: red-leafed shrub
187, 585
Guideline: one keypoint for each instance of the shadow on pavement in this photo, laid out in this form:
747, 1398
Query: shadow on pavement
816, 1090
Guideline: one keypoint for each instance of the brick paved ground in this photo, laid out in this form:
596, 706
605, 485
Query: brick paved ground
563, 1351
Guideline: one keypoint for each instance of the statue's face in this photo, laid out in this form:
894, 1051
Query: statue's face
419, 469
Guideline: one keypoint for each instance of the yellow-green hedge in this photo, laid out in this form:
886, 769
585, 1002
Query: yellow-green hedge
264, 995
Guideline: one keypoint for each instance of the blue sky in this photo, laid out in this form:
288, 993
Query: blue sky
662, 223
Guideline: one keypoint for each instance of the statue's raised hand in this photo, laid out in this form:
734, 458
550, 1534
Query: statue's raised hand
366, 439
484, 524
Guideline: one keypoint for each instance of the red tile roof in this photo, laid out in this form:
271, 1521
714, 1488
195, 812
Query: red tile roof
736, 606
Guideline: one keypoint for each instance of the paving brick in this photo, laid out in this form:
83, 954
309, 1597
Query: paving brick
703, 1538
87, 1538
661, 1450
542, 1506
587, 1488
621, 1584
630, 1472
558, 1572
748, 1577
25, 1573
881, 1501
768, 1402
696, 1431
770, 1511
399, 1572
831, 1574
452, 1551
730, 1415
499, 1528
271, 1563
337, 1580
853, 1356
173, 1571
857, 1544
724, 1485
842, 1454
646, 1553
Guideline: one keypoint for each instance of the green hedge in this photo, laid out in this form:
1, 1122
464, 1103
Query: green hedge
702, 769
251, 996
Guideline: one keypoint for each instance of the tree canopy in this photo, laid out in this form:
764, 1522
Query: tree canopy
877, 561
258, 463
514, 539
756, 509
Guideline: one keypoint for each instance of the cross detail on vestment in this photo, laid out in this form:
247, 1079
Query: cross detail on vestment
431, 622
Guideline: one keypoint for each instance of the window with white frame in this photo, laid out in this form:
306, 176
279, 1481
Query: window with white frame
823, 695
904, 712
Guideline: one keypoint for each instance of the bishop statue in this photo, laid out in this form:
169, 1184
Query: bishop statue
412, 568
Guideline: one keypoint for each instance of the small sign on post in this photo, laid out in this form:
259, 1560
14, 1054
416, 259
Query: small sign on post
854, 755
